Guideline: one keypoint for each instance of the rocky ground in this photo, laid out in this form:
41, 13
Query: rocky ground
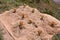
26, 23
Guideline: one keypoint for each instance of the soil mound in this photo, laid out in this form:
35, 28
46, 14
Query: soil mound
26, 23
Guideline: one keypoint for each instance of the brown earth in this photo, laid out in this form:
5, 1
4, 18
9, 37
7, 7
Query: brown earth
26, 23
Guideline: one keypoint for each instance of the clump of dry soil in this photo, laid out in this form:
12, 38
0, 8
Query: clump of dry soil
26, 23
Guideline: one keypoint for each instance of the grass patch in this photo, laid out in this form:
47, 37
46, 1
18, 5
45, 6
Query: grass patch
56, 37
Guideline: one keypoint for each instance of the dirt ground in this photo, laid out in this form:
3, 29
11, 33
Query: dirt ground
26, 23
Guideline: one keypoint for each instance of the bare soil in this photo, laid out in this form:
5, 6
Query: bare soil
26, 23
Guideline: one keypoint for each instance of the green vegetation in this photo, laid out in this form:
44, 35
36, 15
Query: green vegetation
56, 37
46, 1
49, 7
1, 38
8, 4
